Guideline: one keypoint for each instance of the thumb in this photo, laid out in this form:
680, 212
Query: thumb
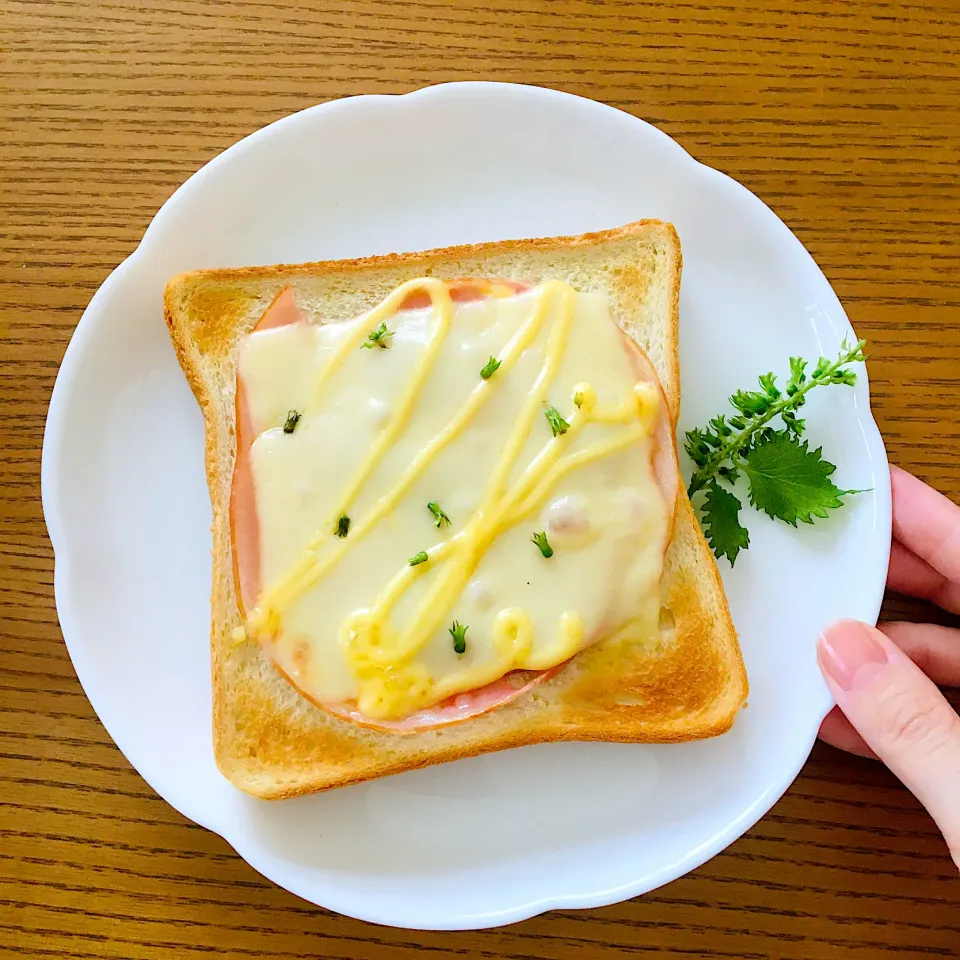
901, 715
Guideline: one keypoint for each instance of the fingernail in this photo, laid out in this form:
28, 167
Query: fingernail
850, 654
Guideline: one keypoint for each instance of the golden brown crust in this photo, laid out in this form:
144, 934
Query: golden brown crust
675, 320
274, 744
288, 271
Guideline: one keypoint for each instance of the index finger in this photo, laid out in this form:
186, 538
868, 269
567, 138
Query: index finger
926, 523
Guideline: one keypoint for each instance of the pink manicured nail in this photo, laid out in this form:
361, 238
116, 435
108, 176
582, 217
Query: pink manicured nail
845, 649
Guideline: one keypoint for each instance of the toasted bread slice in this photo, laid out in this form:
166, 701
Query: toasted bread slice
273, 743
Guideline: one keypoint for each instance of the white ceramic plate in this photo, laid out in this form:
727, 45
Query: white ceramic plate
497, 838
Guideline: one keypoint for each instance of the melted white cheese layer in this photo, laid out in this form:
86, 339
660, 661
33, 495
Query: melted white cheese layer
593, 492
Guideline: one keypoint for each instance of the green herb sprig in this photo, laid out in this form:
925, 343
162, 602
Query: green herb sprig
459, 634
540, 539
343, 526
290, 424
490, 368
786, 479
558, 425
418, 558
439, 517
379, 338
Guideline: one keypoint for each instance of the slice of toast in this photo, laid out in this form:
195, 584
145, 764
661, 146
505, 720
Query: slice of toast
273, 743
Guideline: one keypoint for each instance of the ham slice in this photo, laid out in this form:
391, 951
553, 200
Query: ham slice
455, 709
244, 526
245, 529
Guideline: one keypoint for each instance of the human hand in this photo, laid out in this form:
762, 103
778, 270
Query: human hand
885, 680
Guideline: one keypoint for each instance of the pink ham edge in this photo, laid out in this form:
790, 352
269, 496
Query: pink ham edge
665, 463
246, 534
454, 709
244, 525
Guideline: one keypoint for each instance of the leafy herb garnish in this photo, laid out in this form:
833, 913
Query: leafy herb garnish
438, 515
787, 480
343, 526
490, 368
459, 634
540, 539
379, 338
293, 418
418, 558
721, 522
557, 424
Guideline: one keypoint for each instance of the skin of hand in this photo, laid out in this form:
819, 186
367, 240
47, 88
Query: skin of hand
885, 680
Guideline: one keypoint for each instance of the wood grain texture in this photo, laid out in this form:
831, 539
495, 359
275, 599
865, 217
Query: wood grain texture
842, 116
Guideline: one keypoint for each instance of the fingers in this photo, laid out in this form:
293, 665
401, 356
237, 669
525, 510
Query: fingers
915, 577
926, 523
900, 714
839, 732
934, 649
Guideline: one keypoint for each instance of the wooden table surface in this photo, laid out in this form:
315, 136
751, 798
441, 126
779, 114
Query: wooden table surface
843, 116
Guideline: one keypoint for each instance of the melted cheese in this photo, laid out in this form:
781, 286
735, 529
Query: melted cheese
385, 431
